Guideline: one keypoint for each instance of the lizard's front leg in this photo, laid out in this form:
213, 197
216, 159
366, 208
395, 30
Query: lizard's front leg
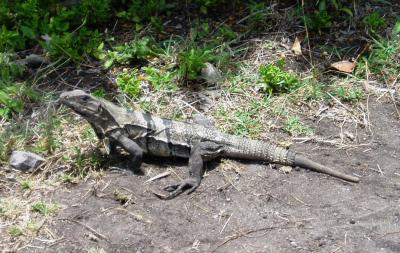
136, 152
200, 153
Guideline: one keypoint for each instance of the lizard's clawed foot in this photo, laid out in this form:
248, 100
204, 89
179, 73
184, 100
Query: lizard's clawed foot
189, 184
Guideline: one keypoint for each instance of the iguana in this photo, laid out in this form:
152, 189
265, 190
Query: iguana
142, 133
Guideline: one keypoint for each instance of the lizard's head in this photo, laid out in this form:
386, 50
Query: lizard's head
82, 103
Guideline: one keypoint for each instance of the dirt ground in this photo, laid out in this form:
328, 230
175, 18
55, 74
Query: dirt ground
246, 207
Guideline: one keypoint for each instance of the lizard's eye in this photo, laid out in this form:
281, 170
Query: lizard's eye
85, 98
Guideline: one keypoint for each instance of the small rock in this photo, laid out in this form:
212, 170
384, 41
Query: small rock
25, 161
35, 61
352, 221
211, 74
285, 169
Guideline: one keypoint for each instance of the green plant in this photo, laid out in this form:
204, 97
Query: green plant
259, 11
206, 4
26, 184
44, 208
129, 83
99, 92
383, 61
137, 49
10, 40
318, 20
192, 61
142, 10
295, 127
351, 94
374, 21
161, 80
96, 11
48, 142
226, 32
15, 231
74, 45
276, 80
322, 17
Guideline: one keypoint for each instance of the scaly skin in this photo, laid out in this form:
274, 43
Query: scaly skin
140, 133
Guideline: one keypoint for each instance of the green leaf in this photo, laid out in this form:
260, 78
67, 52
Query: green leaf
396, 28
347, 10
28, 32
108, 63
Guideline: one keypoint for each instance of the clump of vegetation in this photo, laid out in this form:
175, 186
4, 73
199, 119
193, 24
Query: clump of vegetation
136, 50
374, 21
384, 59
161, 80
15, 231
206, 4
276, 80
192, 61
26, 184
142, 10
44, 208
295, 127
129, 83
351, 94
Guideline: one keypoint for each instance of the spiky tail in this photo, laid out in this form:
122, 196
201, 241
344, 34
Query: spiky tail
258, 150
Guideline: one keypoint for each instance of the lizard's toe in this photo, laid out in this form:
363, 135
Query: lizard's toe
189, 184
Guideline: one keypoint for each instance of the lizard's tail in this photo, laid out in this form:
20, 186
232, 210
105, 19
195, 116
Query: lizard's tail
304, 162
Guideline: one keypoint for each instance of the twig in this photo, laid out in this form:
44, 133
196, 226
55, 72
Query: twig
161, 175
87, 227
226, 223
236, 236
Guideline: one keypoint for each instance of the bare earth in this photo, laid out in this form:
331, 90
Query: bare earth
246, 207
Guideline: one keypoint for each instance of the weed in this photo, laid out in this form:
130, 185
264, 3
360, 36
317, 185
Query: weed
44, 208
15, 231
161, 80
48, 141
74, 45
227, 33
374, 21
295, 127
142, 10
26, 184
99, 92
10, 91
96, 11
192, 61
120, 196
352, 94
10, 208
276, 80
68, 179
318, 20
258, 13
137, 49
10, 40
129, 83
383, 61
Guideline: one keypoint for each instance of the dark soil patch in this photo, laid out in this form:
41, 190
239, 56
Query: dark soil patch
263, 210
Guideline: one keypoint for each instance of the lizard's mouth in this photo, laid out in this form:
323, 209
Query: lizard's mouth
79, 101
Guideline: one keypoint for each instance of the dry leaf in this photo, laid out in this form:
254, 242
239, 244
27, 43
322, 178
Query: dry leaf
296, 48
344, 66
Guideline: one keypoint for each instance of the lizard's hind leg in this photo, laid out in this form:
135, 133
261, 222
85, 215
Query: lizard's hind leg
200, 153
